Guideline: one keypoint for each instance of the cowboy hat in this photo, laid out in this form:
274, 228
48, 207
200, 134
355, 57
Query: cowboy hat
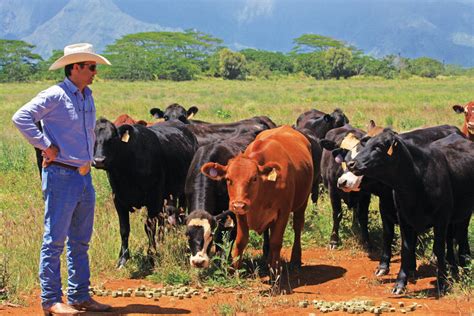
77, 53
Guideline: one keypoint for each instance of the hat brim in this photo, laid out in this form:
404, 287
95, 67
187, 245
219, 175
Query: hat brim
78, 58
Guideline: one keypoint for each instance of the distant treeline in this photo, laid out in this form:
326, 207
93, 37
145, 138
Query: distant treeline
192, 55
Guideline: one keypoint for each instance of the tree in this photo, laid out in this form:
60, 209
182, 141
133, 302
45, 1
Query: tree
312, 64
17, 61
265, 62
339, 62
315, 43
166, 55
232, 64
425, 67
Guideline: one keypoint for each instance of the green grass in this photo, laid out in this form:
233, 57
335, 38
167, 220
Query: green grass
404, 104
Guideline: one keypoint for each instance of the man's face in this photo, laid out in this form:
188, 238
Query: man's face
86, 71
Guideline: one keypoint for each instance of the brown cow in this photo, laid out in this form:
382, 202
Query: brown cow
127, 119
272, 178
468, 110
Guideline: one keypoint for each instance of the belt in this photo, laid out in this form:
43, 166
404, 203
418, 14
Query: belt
83, 170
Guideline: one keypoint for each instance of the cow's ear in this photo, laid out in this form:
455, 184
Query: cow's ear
327, 144
270, 171
125, 133
328, 118
371, 125
339, 154
192, 111
225, 220
458, 109
214, 170
156, 113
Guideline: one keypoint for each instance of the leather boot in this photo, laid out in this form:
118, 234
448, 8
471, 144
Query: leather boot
91, 306
60, 309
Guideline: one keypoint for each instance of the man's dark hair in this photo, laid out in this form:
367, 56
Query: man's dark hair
68, 68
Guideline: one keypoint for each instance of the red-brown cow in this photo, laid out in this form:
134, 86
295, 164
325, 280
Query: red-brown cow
272, 178
127, 119
468, 110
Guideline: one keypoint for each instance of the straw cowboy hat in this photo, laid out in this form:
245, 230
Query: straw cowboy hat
77, 53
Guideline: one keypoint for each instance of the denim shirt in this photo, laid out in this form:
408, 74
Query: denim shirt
68, 121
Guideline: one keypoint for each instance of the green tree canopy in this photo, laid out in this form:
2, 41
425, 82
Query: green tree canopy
339, 62
166, 55
17, 61
232, 64
425, 67
314, 43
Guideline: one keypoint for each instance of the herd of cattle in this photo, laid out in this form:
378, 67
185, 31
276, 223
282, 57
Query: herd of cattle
252, 174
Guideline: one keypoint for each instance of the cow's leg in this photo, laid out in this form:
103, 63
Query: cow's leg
336, 217
387, 212
363, 219
462, 239
155, 209
241, 240
123, 213
450, 257
408, 265
298, 224
439, 244
266, 243
276, 239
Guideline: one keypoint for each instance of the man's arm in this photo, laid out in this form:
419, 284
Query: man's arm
32, 112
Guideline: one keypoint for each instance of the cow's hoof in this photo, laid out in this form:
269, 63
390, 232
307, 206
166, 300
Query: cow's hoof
381, 271
295, 265
333, 245
121, 263
399, 290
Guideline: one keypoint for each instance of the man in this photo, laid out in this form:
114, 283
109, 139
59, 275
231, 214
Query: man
67, 115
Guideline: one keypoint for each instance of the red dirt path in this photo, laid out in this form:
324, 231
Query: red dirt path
326, 275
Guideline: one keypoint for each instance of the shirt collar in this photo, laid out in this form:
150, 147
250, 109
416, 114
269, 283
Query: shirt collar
72, 87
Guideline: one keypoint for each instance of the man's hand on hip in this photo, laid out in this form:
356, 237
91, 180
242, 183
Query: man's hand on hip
49, 154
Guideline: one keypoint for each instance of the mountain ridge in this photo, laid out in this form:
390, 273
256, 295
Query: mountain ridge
438, 29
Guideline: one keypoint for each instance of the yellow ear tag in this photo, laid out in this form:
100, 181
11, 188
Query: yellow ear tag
272, 176
344, 166
125, 137
190, 116
390, 150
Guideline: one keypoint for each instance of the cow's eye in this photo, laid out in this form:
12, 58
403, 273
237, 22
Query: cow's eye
166, 117
254, 179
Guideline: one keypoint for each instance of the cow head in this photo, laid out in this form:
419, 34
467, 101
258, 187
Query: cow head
109, 141
468, 111
200, 227
175, 112
245, 178
320, 126
375, 154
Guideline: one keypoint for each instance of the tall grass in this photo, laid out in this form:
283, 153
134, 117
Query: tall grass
404, 104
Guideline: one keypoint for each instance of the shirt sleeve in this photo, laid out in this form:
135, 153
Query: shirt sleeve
32, 112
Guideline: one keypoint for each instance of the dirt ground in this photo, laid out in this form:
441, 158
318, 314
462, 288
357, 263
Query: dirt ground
341, 275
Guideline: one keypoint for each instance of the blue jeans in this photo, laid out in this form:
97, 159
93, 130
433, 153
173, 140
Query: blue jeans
69, 212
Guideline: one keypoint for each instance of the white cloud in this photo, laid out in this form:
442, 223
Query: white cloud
253, 9
463, 39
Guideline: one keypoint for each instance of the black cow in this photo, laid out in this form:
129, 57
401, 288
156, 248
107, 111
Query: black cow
331, 171
314, 125
208, 200
176, 111
144, 166
349, 182
211, 133
320, 123
433, 186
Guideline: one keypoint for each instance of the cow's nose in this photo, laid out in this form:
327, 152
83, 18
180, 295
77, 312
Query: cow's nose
197, 263
238, 206
98, 162
341, 183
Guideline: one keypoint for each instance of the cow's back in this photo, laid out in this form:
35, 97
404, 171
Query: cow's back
292, 151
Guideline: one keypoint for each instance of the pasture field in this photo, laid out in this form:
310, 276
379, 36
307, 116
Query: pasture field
402, 104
